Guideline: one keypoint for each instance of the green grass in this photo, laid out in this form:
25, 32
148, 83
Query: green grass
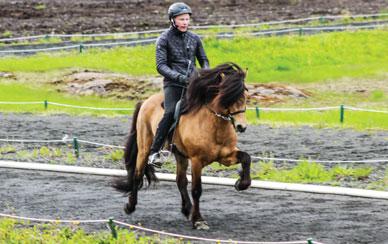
337, 60
306, 172
352, 119
12, 231
7, 149
40, 6
283, 59
381, 185
116, 155
20, 92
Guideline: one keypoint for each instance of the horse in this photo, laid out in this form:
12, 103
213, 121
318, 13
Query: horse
213, 112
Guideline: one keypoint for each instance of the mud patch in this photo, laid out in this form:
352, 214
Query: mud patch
7, 75
123, 86
266, 94
108, 85
350, 85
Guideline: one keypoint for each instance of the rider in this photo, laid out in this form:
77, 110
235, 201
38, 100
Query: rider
176, 50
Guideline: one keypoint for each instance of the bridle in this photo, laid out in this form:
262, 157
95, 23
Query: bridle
228, 116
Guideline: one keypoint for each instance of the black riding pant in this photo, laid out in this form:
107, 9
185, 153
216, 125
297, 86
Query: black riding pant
172, 94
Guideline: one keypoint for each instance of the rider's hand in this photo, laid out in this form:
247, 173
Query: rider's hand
183, 79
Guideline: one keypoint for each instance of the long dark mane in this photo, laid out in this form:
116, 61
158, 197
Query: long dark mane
226, 82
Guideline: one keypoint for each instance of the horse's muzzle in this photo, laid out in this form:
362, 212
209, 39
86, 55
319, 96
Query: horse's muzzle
240, 128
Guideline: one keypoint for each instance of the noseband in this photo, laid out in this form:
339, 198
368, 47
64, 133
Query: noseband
228, 116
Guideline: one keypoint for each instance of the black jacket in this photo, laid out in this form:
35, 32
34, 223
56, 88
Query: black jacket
174, 49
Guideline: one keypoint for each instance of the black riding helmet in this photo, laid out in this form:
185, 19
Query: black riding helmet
178, 9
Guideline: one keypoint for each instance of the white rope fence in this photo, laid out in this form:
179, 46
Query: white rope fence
56, 221
100, 144
76, 141
249, 108
208, 239
148, 41
46, 103
321, 161
366, 110
303, 30
295, 109
80, 46
130, 226
64, 140
19, 103
291, 21
87, 107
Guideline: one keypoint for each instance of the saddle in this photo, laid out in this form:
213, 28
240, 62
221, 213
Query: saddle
177, 114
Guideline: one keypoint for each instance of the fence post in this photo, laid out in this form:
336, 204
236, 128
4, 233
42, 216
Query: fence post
257, 112
76, 147
342, 113
81, 48
112, 228
45, 104
310, 241
301, 31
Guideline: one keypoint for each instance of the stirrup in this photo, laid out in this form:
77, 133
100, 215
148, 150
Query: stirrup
155, 160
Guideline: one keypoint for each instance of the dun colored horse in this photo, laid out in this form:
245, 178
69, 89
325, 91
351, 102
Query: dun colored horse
213, 111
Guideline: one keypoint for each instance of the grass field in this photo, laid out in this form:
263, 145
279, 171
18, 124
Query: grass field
334, 67
23, 93
291, 58
12, 231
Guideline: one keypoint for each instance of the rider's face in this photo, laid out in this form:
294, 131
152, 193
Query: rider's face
182, 22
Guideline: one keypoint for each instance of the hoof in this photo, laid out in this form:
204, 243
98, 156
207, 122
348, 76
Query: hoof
129, 209
186, 213
201, 225
242, 185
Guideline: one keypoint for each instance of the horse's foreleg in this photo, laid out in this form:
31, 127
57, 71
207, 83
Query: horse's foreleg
245, 175
196, 191
182, 182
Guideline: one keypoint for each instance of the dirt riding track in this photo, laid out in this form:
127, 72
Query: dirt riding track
254, 215
21, 17
257, 215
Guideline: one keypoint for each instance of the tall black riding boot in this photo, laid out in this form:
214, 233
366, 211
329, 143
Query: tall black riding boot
158, 141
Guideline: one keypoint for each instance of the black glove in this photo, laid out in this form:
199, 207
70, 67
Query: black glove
183, 79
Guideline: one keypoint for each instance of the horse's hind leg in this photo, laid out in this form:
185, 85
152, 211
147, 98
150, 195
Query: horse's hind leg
130, 207
196, 191
144, 141
182, 182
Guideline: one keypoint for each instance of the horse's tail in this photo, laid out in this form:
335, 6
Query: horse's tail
130, 157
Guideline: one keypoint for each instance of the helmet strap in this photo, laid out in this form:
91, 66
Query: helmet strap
173, 23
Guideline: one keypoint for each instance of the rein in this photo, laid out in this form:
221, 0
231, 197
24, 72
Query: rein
228, 116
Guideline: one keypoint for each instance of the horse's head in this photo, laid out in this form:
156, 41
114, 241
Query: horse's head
223, 91
236, 113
